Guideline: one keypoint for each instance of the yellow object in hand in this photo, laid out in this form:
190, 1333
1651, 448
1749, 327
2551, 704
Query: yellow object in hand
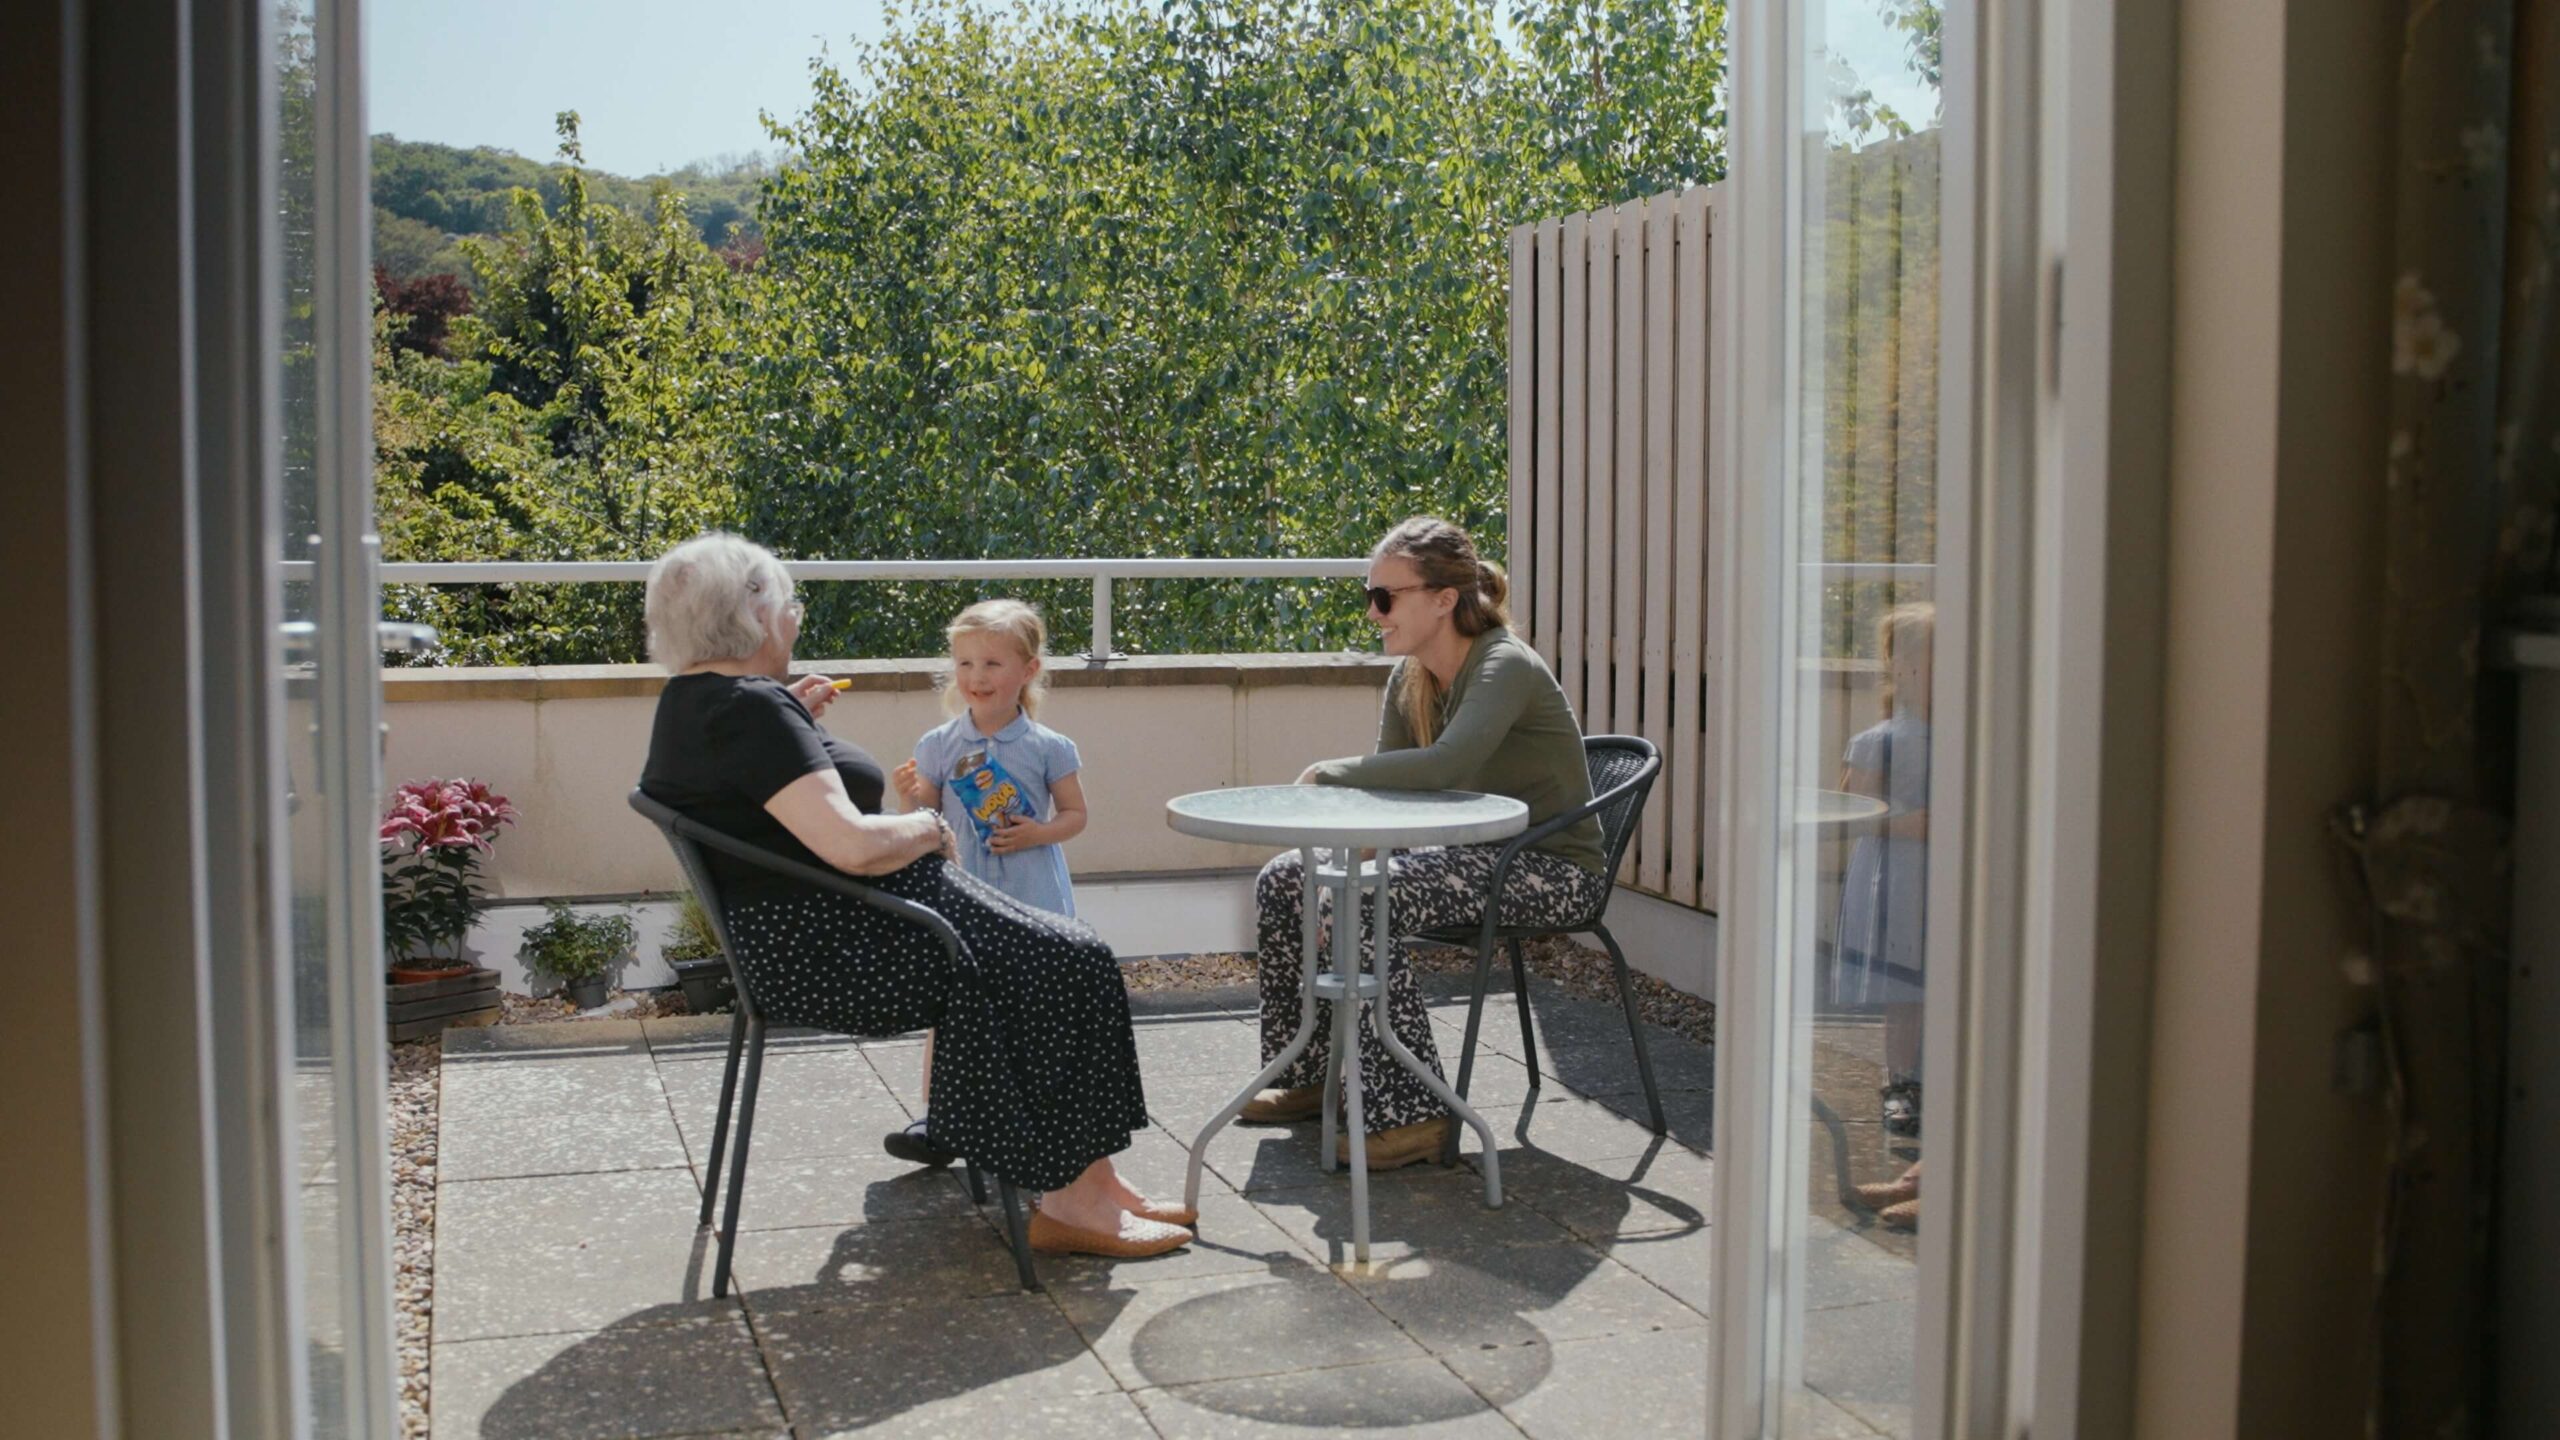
842, 685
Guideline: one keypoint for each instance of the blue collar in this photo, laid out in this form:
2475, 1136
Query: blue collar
1014, 729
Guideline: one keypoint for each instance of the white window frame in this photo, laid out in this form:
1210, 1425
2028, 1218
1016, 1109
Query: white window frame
2053, 477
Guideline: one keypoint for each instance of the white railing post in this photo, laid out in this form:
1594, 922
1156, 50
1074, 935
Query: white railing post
1101, 654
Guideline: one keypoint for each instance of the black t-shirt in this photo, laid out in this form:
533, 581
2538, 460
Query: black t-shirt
723, 745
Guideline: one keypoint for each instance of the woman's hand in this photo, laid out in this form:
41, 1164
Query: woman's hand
815, 693
1307, 776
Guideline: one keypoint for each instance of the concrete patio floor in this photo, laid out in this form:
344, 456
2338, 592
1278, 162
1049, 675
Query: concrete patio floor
571, 1283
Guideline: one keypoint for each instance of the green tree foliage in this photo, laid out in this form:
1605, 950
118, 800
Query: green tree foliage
576, 415
425, 196
1200, 278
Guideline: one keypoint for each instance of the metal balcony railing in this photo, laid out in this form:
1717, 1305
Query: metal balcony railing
1103, 573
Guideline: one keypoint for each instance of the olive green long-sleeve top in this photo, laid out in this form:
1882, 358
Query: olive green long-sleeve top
1505, 729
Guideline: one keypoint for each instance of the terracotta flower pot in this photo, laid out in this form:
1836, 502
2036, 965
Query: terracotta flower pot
411, 971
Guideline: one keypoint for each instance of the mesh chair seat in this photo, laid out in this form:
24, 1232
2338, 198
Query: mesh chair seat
1623, 769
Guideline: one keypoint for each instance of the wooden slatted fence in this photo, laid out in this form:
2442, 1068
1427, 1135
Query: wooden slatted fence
1610, 475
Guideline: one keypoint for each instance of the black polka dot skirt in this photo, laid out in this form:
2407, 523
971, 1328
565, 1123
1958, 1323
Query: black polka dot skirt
1035, 1066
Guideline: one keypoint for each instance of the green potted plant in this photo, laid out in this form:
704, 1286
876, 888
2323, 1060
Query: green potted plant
578, 950
693, 952
434, 835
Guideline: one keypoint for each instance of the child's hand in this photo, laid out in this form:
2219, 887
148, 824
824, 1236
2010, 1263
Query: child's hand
911, 787
1013, 834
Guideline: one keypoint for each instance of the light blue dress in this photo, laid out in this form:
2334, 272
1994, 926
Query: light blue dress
1883, 943
1038, 758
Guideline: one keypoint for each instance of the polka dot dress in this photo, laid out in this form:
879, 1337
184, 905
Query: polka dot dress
1035, 1066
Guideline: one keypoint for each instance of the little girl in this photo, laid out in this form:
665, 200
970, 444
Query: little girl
1884, 918
1006, 782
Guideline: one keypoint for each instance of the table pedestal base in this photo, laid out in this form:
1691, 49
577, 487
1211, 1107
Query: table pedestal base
1350, 988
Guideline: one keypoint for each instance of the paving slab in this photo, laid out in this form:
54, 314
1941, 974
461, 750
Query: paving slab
901, 1069
1261, 1157
1223, 1327
1157, 1164
1112, 1416
694, 1374
908, 1262
1630, 1387
558, 1082
1601, 1200
819, 1103
1416, 1398
1846, 1267
566, 1253
1861, 1357
561, 1145
1569, 1127
1463, 1300
1676, 1261
1688, 1116
1411, 1211
1215, 1047
1608, 1066
979, 1366
788, 1192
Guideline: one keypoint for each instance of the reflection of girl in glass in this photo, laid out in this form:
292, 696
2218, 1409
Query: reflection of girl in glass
1883, 943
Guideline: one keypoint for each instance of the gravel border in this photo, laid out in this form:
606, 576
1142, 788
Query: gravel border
416, 1070
1578, 970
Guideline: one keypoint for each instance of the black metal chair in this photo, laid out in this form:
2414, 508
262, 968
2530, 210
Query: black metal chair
1623, 769
689, 839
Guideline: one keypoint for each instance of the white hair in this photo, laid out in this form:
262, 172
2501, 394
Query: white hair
711, 598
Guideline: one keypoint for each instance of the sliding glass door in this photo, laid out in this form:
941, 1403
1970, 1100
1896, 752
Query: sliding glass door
1857, 1012
332, 684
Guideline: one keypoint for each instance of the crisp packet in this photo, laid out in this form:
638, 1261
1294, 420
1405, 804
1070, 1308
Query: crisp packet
988, 792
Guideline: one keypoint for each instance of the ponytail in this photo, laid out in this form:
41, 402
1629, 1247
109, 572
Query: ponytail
1448, 561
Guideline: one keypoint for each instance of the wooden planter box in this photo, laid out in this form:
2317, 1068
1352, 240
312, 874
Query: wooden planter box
424, 1007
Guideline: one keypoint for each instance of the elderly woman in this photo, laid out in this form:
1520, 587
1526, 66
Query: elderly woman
1471, 707
1035, 1075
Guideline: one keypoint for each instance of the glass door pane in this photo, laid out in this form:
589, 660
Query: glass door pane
338, 1040
1854, 639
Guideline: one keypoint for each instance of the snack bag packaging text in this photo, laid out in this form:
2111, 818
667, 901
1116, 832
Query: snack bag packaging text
988, 792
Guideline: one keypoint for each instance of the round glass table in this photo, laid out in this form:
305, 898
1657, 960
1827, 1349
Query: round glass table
1341, 821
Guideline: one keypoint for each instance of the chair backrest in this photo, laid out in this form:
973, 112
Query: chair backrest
692, 840
1623, 768
697, 873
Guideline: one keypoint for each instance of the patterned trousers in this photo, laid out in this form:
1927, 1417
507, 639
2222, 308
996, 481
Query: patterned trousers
1428, 889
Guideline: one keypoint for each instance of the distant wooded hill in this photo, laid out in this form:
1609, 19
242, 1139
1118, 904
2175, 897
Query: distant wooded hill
425, 195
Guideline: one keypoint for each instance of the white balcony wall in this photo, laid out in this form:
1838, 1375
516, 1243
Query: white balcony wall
566, 743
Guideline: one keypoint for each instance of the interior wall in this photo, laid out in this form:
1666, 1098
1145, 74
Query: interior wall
54, 1311
2261, 1183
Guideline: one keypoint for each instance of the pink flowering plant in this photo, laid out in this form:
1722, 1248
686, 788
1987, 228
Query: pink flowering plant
434, 835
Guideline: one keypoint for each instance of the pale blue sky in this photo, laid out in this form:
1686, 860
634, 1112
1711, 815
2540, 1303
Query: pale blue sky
660, 83
656, 83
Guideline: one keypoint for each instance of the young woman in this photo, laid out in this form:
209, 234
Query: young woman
1471, 707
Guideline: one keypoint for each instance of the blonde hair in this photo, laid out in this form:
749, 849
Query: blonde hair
1016, 621
712, 598
1448, 561
1899, 627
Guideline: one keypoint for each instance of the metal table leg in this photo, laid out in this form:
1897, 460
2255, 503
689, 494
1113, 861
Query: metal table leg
1289, 1053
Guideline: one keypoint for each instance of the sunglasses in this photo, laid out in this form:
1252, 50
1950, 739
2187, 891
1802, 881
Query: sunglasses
1383, 599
